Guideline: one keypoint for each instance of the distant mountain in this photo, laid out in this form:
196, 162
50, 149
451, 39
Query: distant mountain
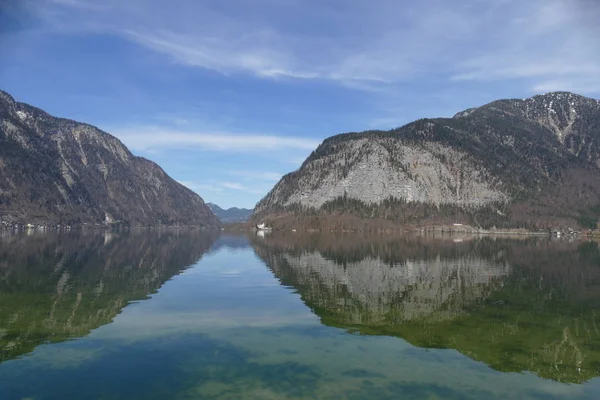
55, 170
231, 215
519, 163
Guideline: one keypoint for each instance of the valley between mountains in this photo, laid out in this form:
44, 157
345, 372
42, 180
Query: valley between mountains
531, 163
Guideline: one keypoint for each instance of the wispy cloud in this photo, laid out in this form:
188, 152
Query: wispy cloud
387, 122
216, 187
149, 138
233, 185
201, 187
258, 175
583, 85
237, 186
88, 5
294, 160
542, 41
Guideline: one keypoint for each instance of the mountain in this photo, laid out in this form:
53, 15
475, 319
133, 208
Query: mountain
231, 215
54, 170
526, 163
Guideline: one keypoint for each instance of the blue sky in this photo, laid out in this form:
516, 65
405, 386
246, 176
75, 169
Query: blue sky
229, 95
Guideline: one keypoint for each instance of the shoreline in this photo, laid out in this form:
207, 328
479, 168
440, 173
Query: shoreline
424, 230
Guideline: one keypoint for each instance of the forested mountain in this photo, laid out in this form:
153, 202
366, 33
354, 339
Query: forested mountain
231, 215
532, 163
54, 170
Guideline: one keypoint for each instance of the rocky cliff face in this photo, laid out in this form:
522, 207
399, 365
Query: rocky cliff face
372, 169
54, 170
495, 156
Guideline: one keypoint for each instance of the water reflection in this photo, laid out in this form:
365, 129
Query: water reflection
517, 305
55, 287
226, 328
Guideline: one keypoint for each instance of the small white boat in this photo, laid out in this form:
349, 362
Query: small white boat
263, 227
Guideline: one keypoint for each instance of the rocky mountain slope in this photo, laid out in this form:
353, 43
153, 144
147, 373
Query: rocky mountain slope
55, 170
231, 215
512, 162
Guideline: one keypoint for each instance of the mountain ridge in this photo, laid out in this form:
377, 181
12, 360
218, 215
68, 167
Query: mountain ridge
56, 170
232, 214
502, 156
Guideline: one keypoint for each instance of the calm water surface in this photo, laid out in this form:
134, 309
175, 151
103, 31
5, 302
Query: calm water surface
183, 315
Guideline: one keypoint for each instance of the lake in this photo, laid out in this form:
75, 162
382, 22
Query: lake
194, 315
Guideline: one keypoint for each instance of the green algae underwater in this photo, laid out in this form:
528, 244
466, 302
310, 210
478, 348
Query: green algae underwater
190, 315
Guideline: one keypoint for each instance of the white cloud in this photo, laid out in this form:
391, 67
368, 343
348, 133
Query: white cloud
362, 44
546, 43
77, 3
387, 122
149, 138
222, 188
233, 185
258, 175
294, 160
578, 86
201, 187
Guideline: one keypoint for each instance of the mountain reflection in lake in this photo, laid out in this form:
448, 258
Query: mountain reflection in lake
516, 305
186, 315
57, 287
